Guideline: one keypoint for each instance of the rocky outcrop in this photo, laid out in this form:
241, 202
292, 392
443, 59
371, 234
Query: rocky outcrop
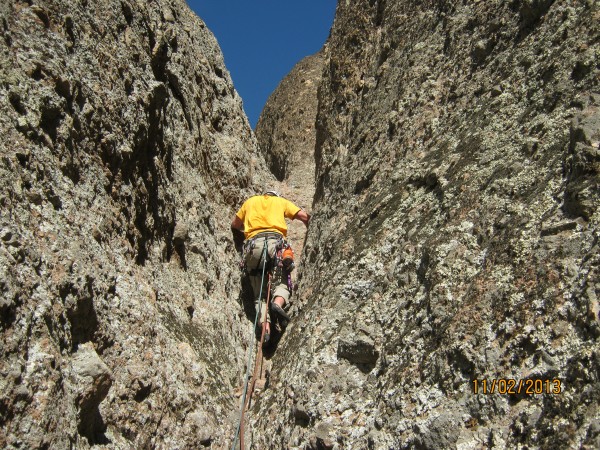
454, 237
286, 127
286, 135
125, 151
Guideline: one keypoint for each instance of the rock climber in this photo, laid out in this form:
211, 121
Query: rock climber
262, 218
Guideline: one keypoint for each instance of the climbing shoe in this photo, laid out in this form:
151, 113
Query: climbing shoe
266, 340
279, 310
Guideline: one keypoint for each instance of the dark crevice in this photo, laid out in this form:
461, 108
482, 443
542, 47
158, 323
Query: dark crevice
43, 16
70, 29
127, 12
51, 116
84, 322
530, 15
37, 74
175, 88
143, 393
15, 101
580, 71
424, 266
364, 182
160, 58
8, 310
92, 427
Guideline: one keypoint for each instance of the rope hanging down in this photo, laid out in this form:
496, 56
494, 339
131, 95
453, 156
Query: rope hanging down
239, 434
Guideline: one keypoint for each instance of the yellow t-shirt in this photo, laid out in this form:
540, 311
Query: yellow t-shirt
266, 213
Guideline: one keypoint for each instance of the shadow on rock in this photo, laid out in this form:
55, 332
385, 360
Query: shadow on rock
278, 327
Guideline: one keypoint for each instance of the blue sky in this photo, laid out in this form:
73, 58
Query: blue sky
262, 40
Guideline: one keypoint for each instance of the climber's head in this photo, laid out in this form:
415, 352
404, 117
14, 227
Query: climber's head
272, 192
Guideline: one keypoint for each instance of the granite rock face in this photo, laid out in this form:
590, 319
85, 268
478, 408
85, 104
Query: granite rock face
286, 127
124, 154
454, 237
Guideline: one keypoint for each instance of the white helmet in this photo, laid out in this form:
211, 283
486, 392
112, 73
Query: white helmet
272, 192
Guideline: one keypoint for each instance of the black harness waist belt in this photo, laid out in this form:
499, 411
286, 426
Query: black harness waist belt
267, 234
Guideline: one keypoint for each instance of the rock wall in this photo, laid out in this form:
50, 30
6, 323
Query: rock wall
454, 237
125, 152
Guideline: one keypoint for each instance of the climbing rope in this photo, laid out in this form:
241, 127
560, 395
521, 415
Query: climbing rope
259, 355
239, 434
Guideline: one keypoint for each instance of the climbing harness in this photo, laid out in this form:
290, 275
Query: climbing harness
250, 247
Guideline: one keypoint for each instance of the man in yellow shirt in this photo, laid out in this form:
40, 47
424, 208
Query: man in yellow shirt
262, 219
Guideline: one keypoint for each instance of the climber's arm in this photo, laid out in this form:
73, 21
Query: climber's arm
237, 223
302, 216
237, 227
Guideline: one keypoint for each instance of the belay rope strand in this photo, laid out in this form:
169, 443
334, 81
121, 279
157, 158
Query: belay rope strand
259, 355
240, 428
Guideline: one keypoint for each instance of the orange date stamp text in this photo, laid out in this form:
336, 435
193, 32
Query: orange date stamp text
511, 386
